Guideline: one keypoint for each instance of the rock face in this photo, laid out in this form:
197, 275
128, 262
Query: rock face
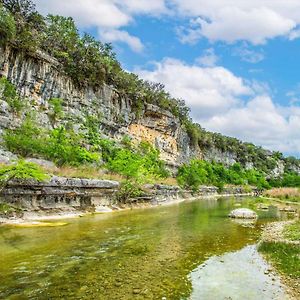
243, 213
60, 193
39, 78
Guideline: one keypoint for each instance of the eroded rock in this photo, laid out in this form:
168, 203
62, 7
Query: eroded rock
243, 213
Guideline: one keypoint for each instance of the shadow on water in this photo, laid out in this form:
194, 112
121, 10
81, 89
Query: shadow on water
142, 254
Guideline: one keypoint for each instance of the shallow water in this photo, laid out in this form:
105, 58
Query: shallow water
141, 254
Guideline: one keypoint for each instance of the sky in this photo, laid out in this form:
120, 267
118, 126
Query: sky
234, 62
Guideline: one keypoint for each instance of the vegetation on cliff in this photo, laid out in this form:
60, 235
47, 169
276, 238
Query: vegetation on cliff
199, 172
91, 63
21, 170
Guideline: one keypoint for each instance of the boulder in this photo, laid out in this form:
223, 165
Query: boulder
243, 213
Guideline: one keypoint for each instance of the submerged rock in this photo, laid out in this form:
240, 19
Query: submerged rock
243, 213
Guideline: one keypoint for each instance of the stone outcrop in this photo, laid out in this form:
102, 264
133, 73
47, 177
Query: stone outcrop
39, 78
60, 193
63, 195
243, 213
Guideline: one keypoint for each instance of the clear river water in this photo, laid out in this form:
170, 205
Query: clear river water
190, 250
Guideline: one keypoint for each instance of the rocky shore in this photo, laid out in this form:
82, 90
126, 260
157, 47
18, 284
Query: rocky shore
60, 198
274, 234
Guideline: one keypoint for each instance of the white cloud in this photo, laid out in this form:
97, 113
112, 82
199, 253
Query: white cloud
208, 59
123, 36
249, 55
294, 34
225, 103
207, 90
255, 21
262, 122
108, 16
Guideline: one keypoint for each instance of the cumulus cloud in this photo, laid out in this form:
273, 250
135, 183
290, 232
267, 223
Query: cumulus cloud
207, 90
123, 36
255, 21
208, 59
249, 55
223, 102
108, 16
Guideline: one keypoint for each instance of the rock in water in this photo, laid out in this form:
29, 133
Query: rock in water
243, 213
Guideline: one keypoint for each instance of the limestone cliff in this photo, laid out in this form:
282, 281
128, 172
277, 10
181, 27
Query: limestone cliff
39, 78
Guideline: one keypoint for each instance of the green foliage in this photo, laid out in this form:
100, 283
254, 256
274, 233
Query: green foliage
56, 110
140, 163
193, 175
7, 26
21, 170
64, 147
9, 94
60, 145
91, 126
26, 140
199, 172
286, 257
128, 189
292, 231
92, 63
289, 179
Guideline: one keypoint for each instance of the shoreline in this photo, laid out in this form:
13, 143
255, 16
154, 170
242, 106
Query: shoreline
36, 218
273, 234
279, 200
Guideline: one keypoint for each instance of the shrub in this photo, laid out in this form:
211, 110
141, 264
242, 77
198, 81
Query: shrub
60, 145
56, 110
142, 163
9, 94
7, 26
64, 147
26, 140
128, 189
21, 170
199, 172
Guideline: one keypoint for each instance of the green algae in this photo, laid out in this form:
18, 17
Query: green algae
140, 254
37, 224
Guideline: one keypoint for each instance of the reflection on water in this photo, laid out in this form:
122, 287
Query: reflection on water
236, 275
145, 254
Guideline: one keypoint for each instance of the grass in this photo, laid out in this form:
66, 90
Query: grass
7, 209
91, 172
285, 194
285, 257
292, 232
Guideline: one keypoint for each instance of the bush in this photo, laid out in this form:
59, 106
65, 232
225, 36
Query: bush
199, 172
27, 140
128, 189
9, 94
21, 170
142, 163
60, 145
7, 26
56, 110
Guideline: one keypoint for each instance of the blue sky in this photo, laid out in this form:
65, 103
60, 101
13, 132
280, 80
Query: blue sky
234, 62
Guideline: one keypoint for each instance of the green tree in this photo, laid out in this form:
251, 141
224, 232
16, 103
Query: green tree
21, 170
7, 26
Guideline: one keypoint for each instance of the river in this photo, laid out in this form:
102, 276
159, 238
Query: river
181, 251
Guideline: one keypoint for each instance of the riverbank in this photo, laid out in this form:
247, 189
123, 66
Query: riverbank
61, 197
280, 245
36, 218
